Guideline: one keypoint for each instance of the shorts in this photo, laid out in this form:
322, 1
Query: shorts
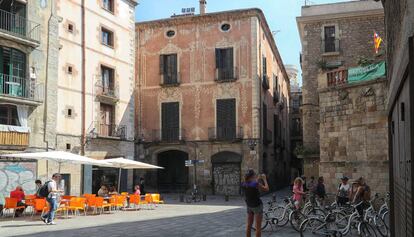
255, 210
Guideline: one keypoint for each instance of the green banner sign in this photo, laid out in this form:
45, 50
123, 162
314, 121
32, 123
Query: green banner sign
370, 72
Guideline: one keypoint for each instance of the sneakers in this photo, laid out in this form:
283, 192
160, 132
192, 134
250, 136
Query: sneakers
43, 219
51, 223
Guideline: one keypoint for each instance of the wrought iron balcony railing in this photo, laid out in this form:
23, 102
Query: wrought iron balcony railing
19, 87
226, 74
111, 130
168, 135
108, 91
19, 26
225, 133
265, 82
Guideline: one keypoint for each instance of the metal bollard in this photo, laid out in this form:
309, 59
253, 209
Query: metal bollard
204, 197
226, 197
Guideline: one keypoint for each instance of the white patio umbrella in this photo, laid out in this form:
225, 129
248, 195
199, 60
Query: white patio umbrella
58, 156
123, 163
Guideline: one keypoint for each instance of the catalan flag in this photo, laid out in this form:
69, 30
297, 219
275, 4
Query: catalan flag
377, 42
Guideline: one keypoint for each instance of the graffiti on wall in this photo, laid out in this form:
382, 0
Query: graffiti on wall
226, 178
13, 174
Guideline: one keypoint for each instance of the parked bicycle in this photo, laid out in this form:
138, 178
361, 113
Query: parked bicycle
194, 196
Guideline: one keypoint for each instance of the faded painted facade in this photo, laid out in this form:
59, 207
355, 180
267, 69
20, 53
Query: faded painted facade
350, 119
256, 95
97, 48
28, 72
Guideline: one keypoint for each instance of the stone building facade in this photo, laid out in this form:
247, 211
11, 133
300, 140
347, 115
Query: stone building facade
399, 25
350, 119
295, 117
211, 87
29, 48
97, 72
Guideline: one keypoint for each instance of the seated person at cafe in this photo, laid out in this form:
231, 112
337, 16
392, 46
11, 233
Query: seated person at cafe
112, 191
18, 194
103, 191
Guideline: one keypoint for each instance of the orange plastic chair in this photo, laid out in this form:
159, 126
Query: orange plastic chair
90, 201
67, 197
120, 201
148, 201
76, 205
29, 201
11, 206
39, 205
99, 204
135, 200
156, 198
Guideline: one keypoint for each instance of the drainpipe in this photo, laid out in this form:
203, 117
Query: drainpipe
83, 98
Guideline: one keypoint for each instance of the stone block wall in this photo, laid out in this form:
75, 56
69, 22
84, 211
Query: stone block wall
354, 135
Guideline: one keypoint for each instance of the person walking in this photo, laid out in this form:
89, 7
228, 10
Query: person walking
344, 192
298, 192
363, 194
311, 184
252, 186
142, 185
320, 191
38, 184
53, 194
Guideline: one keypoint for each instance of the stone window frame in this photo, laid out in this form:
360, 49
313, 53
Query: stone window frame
114, 38
180, 117
168, 30
70, 108
236, 107
337, 37
68, 146
223, 23
114, 7
178, 53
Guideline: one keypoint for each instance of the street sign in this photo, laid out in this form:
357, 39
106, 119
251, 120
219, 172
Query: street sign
253, 152
192, 162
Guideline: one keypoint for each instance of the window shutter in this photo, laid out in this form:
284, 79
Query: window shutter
218, 58
229, 59
174, 68
162, 69
170, 120
226, 118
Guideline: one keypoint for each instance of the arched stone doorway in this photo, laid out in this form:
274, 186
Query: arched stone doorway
226, 173
174, 176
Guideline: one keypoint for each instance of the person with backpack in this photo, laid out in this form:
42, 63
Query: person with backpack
51, 192
363, 194
39, 185
344, 192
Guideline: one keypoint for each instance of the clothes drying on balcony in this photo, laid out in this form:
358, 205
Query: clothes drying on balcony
11, 128
22, 113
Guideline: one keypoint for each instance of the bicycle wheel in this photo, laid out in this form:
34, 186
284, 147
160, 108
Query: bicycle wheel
386, 218
312, 225
281, 216
189, 199
197, 198
265, 221
315, 212
381, 226
296, 218
366, 230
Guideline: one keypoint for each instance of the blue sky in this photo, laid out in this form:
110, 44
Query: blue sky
280, 14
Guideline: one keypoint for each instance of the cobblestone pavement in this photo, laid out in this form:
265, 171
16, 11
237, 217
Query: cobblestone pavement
214, 217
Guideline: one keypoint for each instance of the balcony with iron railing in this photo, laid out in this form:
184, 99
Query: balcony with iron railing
168, 135
106, 93
225, 133
226, 74
170, 79
276, 96
265, 82
16, 27
111, 130
20, 89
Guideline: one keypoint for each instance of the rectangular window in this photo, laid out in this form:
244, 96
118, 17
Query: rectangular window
330, 39
70, 28
68, 146
170, 121
106, 126
8, 115
224, 64
69, 112
169, 69
70, 70
226, 119
108, 5
107, 80
107, 37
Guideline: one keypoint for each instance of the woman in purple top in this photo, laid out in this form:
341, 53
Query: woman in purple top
252, 186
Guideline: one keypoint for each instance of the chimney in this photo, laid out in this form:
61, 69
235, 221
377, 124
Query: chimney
203, 4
